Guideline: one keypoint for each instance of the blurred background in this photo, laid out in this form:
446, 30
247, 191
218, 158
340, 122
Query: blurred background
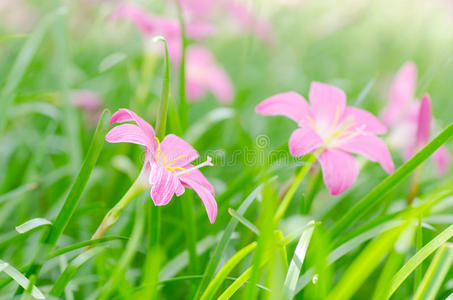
63, 62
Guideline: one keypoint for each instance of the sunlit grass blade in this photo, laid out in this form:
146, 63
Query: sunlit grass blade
419, 257
214, 285
20, 279
243, 221
85, 244
364, 264
81, 180
32, 224
221, 246
389, 183
435, 275
69, 206
296, 262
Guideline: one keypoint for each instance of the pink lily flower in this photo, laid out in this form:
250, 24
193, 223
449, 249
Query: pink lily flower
333, 131
204, 74
151, 26
167, 168
89, 102
411, 120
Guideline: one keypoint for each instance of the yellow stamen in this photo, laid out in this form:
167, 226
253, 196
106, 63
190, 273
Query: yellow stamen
179, 157
336, 117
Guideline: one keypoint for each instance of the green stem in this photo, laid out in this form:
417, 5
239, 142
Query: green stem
293, 188
183, 107
190, 229
161, 121
112, 216
314, 188
148, 67
415, 183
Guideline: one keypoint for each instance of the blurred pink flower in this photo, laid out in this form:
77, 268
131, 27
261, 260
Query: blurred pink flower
151, 26
237, 10
204, 75
89, 102
167, 168
411, 120
336, 130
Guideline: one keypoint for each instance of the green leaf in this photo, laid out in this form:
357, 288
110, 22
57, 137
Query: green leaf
435, 275
389, 183
31, 224
85, 244
419, 257
296, 262
221, 246
214, 285
243, 221
20, 279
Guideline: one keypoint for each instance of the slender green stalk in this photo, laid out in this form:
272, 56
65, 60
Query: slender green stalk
113, 215
183, 107
293, 188
161, 120
190, 230
415, 183
147, 70
313, 190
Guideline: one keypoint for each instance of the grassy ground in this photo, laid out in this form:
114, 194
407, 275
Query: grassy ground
55, 165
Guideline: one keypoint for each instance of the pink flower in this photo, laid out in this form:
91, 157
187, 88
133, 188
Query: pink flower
328, 126
151, 26
89, 102
167, 168
236, 10
411, 120
204, 75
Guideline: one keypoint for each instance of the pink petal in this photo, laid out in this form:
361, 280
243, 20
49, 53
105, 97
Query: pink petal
221, 85
86, 100
304, 140
136, 15
196, 90
371, 147
327, 103
164, 185
127, 133
424, 121
289, 104
363, 119
175, 147
401, 93
442, 159
126, 115
198, 177
206, 197
339, 170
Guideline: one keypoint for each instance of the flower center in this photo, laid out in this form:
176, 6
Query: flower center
169, 167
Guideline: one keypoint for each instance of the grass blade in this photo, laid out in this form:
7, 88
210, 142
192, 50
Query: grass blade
214, 285
32, 224
85, 244
218, 252
296, 262
20, 279
367, 203
243, 221
419, 257
436, 273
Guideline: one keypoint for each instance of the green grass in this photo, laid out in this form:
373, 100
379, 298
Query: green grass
278, 233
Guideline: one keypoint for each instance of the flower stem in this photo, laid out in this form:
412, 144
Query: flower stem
293, 188
415, 183
183, 107
112, 216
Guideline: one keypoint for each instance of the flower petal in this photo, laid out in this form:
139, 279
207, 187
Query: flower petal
401, 93
221, 85
206, 197
289, 104
442, 160
339, 170
362, 118
164, 185
424, 121
198, 177
126, 115
304, 140
371, 147
127, 133
327, 104
175, 147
